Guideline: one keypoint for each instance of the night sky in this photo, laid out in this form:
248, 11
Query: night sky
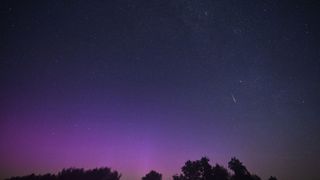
150, 84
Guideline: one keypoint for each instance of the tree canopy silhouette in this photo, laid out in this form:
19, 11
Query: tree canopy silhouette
152, 175
220, 173
75, 174
202, 170
192, 170
237, 167
240, 171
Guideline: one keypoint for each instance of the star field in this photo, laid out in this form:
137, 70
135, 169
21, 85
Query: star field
141, 85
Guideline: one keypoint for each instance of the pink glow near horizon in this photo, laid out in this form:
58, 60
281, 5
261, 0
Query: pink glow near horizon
132, 150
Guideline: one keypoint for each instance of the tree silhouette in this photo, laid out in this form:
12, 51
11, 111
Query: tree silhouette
192, 170
75, 174
205, 168
237, 167
220, 173
240, 171
152, 175
71, 173
197, 170
202, 170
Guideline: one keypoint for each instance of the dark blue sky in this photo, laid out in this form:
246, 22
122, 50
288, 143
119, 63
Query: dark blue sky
140, 85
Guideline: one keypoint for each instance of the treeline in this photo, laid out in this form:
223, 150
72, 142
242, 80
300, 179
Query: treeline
75, 174
192, 170
203, 170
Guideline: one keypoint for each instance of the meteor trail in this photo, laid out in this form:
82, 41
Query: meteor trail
233, 98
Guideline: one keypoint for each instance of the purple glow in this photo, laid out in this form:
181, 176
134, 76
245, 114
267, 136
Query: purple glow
131, 143
147, 85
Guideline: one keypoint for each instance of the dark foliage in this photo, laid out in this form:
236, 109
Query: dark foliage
240, 171
202, 170
192, 170
75, 174
152, 175
220, 173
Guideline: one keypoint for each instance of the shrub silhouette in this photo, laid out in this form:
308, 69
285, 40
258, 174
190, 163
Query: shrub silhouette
152, 175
